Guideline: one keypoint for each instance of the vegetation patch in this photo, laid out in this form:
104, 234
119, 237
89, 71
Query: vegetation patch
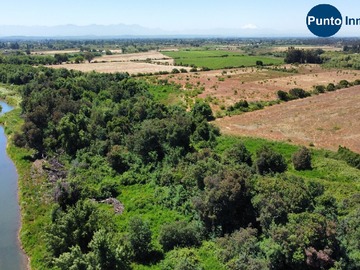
219, 59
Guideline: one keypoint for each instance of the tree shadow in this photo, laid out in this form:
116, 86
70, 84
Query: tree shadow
30, 158
152, 258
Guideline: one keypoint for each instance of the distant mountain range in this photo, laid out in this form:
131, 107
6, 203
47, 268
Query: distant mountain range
122, 30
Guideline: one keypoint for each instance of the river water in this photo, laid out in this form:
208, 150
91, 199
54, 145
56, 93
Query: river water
11, 255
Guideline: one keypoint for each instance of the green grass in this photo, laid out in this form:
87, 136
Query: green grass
140, 200
166, 94
206, 254
10, 95
35, 212
339, 179
219, 59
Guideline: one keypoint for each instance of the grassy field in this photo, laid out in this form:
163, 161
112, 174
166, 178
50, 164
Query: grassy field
339, 179
219, 59
325, 121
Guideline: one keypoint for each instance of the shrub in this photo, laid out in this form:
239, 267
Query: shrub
320, 89
343, 84
181, 259
19, 140
118, 158
296, 93
239, 154
351, 158
268, 161
205, 69
302, 159
180, 234
140, 238
241, 104
282, 95
202, 110
330, 87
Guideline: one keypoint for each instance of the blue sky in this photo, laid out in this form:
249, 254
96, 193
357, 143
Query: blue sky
282, 15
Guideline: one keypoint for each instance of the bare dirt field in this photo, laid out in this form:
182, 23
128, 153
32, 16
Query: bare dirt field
112, 67
255, 84
54, 52
132, 63
326, 121
325, 48
153, 55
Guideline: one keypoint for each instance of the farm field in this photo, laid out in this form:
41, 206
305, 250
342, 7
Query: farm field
112, 67
133, 63
325, 48
52, 52
217, 59
255, 84
152, 55
325, 121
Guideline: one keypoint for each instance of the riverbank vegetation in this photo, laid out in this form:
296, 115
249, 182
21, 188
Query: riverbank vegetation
113, 178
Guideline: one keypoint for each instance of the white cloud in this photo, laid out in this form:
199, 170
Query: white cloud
249, 26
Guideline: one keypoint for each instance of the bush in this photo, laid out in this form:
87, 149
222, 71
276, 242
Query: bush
239, 154
343, 84
330, 87
268, 161
181, 259
296, 93
202, 110
320, 89
242, 104
19, 140
282, 95
302, 159
351, 158
180, 234
140, 238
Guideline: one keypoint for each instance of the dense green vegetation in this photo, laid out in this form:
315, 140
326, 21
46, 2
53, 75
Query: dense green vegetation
303, 56
219, 59
114, 175
342, 60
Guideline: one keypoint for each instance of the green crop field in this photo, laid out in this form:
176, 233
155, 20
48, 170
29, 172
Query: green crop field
219, 59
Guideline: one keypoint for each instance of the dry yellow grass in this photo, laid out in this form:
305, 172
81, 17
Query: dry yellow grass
112, 67
255, 84
54, 52
327, 121
325, 48
153, 55
132, 63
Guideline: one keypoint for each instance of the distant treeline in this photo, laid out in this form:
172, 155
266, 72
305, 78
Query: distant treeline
354, 48
302, 56
145, 44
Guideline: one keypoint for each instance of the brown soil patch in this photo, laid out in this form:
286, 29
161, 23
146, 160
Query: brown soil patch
252, 84
327, 121
153, 55
325, 48
133, 63
112, 67
54, 52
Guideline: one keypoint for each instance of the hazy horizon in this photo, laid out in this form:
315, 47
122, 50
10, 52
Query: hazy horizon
110, 17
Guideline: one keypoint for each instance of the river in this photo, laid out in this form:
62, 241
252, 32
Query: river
11, 255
